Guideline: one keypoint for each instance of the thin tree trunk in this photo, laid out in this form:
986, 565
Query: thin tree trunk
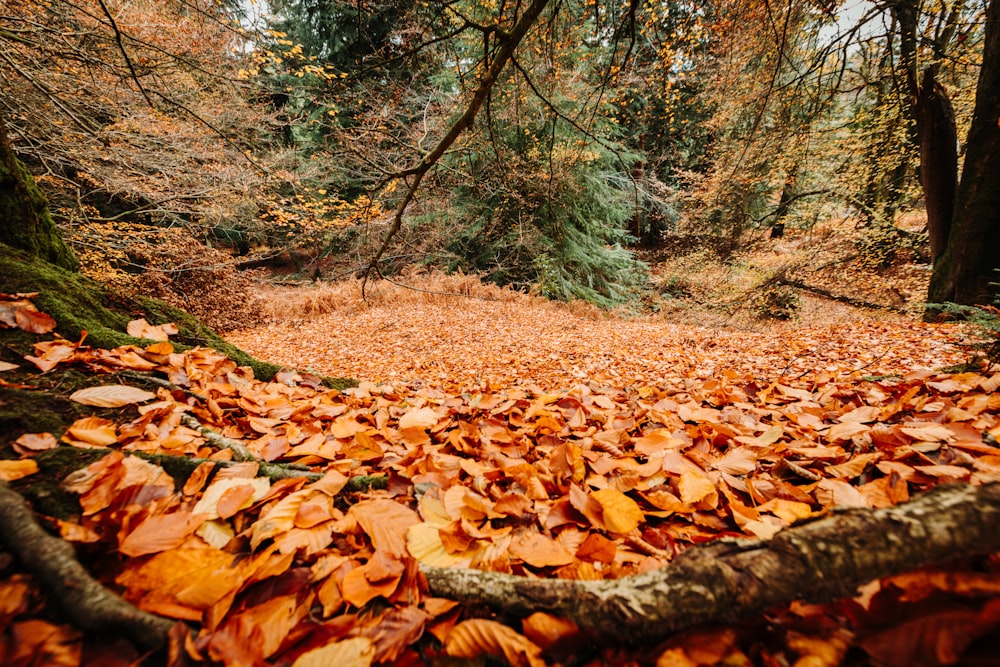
938, 159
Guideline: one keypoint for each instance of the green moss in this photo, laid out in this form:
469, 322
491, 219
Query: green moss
79, 304
27, 411
25, 221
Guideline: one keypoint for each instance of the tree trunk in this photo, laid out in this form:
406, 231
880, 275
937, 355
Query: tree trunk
971, 260
25, 221
938, 159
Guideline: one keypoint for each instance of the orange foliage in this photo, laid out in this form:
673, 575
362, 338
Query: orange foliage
591, 482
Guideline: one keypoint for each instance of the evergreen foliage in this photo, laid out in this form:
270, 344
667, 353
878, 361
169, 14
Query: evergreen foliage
548, 209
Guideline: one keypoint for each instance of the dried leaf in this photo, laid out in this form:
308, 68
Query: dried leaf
354, 652
11, 470
540, 551
621, 513
91, 431
29, 443
476, 637
111, 396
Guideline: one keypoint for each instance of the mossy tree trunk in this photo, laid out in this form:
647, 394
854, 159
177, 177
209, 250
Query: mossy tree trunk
25, 221
969, 264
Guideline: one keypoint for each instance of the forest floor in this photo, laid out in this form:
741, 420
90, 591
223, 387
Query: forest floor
496, 432
709, 315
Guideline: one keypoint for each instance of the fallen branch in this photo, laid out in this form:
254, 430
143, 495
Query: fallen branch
180, 467
723, 581
88, 604
842, 298
240, 451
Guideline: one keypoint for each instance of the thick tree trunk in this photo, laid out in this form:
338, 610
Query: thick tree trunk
971, 259
727, 580
938, 159
25, 221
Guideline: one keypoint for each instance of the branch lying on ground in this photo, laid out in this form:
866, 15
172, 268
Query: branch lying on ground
842, 298
176, 465
86, 602
726, 580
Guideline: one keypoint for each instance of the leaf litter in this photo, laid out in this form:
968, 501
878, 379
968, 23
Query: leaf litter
591, 481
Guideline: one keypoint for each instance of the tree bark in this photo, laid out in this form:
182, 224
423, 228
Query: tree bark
938, 159
971, 259
25, 221
724, 581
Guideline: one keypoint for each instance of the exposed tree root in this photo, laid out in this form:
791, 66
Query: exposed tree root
84, 600
726, 580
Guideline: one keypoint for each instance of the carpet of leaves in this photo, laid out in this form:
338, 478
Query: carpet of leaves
320, 565
509, 339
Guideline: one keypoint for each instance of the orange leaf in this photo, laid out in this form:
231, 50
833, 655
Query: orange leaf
547, 630
695, 487
160, 532
621, 513
11, 470
476, 637
385, 522
234, 499
538, 550
91, 432
597, 548
354, 652
29, 443
34, 321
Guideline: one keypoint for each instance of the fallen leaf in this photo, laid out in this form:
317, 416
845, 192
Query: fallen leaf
92, 432
354, 652
538, 550
111, 396
477, 637
29, 443
621, 513
12, 470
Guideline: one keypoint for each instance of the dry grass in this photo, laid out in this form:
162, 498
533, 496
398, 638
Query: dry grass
414, 288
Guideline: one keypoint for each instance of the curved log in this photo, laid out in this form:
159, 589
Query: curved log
723, 581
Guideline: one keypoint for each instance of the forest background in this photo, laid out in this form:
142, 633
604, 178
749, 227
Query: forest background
311, 132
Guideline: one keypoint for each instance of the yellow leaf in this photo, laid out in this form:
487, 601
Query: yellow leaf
11, 470
621, 513
423, 541
695, 487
